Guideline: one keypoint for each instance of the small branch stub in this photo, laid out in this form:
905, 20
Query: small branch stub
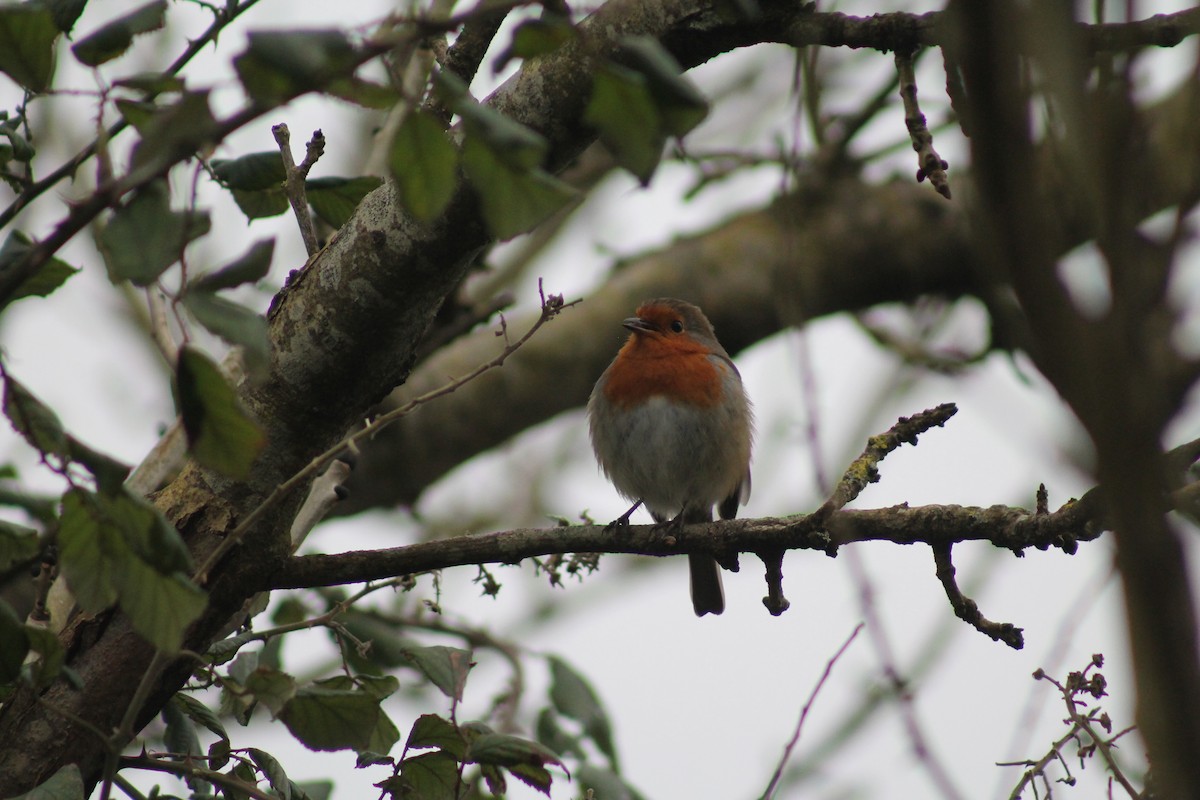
295, 176
929, 164
775, 602
864, 469
966, 609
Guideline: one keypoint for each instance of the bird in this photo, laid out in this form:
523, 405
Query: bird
672, 428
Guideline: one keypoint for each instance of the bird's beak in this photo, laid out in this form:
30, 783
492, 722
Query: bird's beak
638, 325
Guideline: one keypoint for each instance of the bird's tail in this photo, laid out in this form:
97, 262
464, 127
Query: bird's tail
707, 595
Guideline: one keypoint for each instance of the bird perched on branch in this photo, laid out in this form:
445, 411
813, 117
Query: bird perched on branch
672, 428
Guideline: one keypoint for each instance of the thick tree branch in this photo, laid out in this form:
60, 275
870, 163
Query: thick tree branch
1015, 529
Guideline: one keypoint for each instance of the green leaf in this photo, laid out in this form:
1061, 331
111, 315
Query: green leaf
146, 531
175, 131
273, 770
109, 473
201, 714
253, 172
65, 784
313, 790
605, 783
14, 644
145, 237
279, 65
221, 436
496, 782
537, 37
113, 39
18, 150
119, 549
445, 667
89, 551
533, 775
34, 420
334, 199
250, 268
623, 111
553, 735
512, 202
384, 735
66, 12
429, 776
234, 323
46, 668
17, 544
430, 730
151, 83
137, 113
272, 688
519, 147
331, 719
49, 276
574, 697
387, 646
680, 104
380, 687
161, 607
364, 93
261, 204
218, 754
180, 734
424, 163
27, 35
508, 751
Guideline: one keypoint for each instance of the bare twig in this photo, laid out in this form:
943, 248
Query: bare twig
901, 688
295, 175
1082, 730
466, 54
864, 469
929, 163
966, 609
808, 704
188, 769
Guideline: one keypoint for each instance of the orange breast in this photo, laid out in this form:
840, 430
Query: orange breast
677, 369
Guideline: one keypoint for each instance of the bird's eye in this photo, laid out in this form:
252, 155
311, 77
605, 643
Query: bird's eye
677, 326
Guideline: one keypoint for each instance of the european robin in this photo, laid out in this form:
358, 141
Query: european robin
672, 428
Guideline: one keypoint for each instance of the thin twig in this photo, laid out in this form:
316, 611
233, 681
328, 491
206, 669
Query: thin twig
187, 769
160, 329
864, 470
917, 739
929, 164
294, 177
466, 54
1036, 769
967, 609
1084, 723
812, 697
552, 306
